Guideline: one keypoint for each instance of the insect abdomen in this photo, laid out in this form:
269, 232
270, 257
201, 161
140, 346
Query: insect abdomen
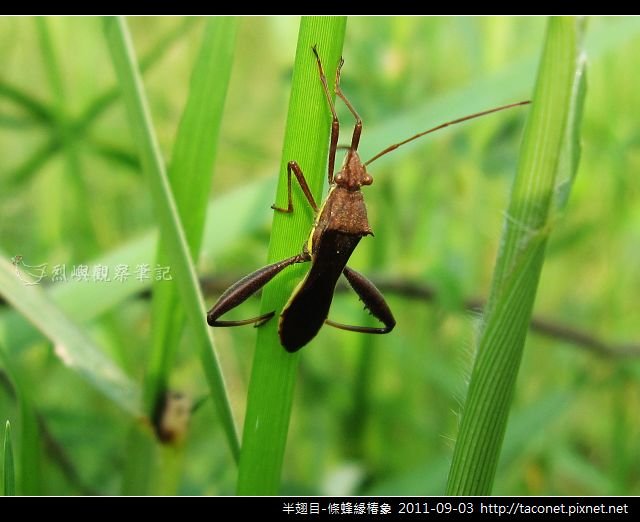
308, 307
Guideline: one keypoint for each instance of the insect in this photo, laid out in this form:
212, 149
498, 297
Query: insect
341, 222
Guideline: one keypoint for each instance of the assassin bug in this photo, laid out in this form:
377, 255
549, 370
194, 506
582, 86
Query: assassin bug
341, 222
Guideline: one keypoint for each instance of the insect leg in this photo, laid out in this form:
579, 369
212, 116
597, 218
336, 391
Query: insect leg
247, 286
357, 130
293, 166
335, 124
373, 301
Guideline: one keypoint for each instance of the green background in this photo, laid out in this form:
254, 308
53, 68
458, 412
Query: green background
371, 415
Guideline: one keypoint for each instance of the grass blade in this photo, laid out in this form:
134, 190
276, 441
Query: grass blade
34, 108
42, 113
273, 374
130, 81
79, 300
72, 345
190, 176
72, 218
520, 259
8, 467
30, 454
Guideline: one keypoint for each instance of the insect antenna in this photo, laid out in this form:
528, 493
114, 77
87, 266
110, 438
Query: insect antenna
442, 126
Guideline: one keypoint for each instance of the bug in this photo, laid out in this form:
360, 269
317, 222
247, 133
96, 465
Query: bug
340, 223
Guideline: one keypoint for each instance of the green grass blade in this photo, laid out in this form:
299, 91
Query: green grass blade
571, 148
30, 479
520, 260
8, 467
274, 370
78, 129
73, 218
31, 452
190, 176
78, 300
102, 102
34, 108
50, 60
169, 220
503, 86
72, 345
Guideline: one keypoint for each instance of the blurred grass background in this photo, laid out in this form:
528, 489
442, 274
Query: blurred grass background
371, 415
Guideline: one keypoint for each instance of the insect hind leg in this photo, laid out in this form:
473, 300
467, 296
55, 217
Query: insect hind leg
373, 301
245, 288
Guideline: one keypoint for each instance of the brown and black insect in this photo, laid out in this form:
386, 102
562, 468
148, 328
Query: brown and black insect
341, 222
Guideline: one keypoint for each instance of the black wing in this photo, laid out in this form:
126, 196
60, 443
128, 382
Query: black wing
308, 307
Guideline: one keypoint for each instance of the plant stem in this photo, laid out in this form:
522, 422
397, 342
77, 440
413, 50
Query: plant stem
169, 220
274, 370
520, 261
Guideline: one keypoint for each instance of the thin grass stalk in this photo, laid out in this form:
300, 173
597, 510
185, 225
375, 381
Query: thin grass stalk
520, 259
126, 68
274, 370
